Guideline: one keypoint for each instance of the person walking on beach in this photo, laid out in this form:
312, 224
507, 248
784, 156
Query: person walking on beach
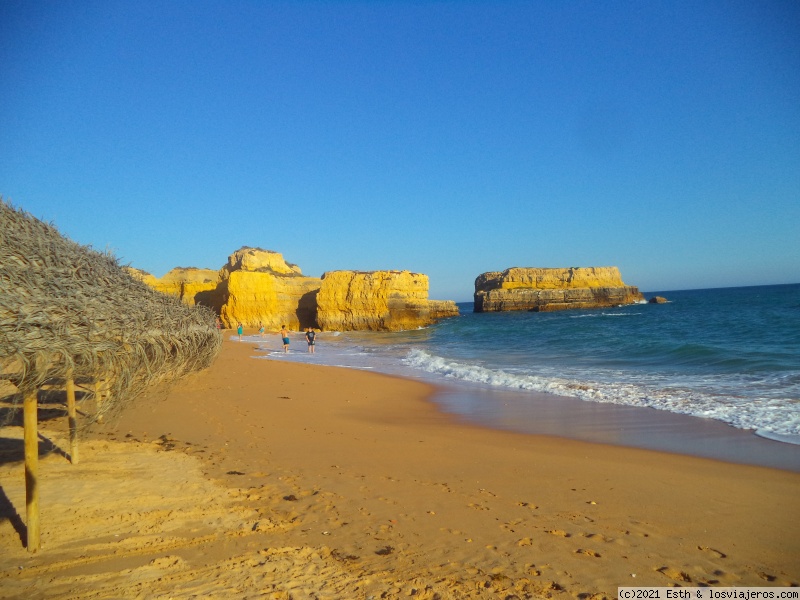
261, 329
240, 330
285, 336
310, 337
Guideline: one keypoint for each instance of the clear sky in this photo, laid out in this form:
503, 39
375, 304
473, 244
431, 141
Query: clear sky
448, 138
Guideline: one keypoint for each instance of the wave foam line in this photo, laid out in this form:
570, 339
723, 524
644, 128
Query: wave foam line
767, 415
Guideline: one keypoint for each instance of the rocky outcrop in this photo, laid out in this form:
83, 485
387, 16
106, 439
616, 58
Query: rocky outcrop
538, 289
259, 286
658, 300
254, 286
191, 285
378, 301
252, 297
258, 260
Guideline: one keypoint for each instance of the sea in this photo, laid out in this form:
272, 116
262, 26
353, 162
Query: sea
712, 372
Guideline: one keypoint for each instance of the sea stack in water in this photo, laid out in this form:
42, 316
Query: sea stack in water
539, 289
378, 301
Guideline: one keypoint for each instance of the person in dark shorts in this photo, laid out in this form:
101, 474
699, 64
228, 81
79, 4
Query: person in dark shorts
311, 339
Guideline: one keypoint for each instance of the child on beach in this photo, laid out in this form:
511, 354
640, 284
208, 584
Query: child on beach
310, 335
240, 330
285, 336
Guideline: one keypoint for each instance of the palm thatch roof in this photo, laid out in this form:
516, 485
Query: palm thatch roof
68, 308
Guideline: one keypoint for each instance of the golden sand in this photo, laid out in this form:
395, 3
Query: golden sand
262, 479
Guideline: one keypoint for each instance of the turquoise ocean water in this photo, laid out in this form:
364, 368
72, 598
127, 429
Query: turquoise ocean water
729, 356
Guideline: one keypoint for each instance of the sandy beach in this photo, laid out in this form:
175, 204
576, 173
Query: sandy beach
262, 479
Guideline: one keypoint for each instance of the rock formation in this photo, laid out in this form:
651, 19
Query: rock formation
252, 297
536, 289
258, 260
378, 301
254, 286
658, 300
259, 286
191, 285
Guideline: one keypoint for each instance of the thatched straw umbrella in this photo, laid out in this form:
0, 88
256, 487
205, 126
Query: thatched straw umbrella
70, 313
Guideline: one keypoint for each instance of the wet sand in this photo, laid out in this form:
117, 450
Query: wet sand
273, 480
632, 426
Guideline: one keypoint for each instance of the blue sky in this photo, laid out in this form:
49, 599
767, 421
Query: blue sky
448, 138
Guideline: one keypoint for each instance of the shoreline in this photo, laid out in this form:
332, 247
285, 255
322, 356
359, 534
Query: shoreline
572, 418
271, 479
537, 413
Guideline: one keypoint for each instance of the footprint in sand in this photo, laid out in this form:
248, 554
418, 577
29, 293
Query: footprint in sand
559, 532
675, 574
712, 551
477, 506
597, 536
591, 553
510, 525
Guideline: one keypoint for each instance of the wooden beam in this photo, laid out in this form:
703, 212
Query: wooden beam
31, 434
99, 390
73, 421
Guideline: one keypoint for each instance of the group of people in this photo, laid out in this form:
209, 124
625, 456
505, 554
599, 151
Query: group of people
311, 335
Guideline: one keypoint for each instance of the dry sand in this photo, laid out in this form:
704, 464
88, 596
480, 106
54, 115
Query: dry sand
261, 479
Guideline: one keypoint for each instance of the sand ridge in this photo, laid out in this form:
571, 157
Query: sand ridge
266, 479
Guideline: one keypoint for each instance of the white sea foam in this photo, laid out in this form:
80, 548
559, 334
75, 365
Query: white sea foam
778, 416
603, 314
771, 435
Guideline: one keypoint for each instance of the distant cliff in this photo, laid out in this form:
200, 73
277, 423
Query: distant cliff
254, 286
378, 301
259, 286
539, 289
256, 259
191, 285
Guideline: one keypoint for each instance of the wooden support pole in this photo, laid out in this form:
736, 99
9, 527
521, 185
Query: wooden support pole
30, 421
99, 390
73, 421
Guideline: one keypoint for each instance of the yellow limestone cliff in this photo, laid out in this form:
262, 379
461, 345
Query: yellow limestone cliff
378, 301
191, 285
258, 260
540, 289
254, 286
259, 286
